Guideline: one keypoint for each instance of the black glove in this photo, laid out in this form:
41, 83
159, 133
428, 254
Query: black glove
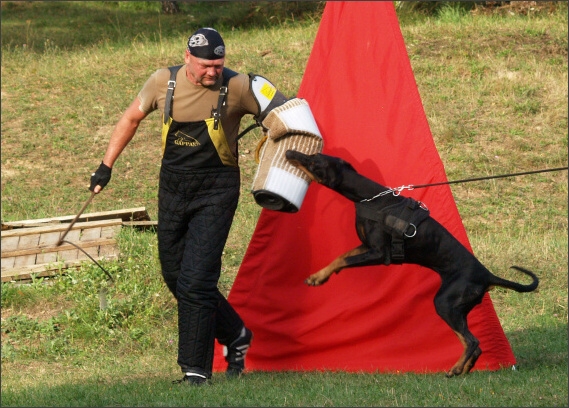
101, 177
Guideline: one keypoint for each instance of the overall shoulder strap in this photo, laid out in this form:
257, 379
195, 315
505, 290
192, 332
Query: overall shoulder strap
227, 75
170, 93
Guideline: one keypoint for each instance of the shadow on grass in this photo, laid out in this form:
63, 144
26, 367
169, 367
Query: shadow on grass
540, 347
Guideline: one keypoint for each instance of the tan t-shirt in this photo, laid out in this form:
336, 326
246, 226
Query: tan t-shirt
194, 102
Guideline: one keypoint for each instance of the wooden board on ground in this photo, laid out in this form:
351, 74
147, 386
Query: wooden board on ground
28, 251
132, 215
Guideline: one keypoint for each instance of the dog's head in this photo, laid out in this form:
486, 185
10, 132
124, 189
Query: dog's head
326, 170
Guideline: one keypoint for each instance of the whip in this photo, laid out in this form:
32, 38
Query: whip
76, 218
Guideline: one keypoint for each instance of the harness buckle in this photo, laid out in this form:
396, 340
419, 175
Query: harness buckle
216, 116
220, 102
171, 84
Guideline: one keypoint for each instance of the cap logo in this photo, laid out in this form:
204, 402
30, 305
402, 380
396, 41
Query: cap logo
219, 50
198, 40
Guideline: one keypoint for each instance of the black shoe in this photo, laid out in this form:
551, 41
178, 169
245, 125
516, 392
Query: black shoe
192, 379
236, 351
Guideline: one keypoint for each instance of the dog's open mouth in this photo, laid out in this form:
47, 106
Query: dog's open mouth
299, 160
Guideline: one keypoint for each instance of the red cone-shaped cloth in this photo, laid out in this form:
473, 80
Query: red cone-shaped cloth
362, 92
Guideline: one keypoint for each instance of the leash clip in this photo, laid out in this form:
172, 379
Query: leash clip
397, 190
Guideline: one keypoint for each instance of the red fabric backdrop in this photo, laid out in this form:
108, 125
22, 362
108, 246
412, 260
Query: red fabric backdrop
362, 92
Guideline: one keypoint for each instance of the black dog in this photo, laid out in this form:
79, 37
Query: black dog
396, 229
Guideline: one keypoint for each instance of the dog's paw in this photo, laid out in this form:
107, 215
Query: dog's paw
454, 372
311, 282
315, 280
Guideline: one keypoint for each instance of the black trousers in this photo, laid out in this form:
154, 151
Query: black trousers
195, 212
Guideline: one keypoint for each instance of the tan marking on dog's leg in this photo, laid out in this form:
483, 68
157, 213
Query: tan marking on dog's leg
458, 367
335, 266
472, 360
466, 360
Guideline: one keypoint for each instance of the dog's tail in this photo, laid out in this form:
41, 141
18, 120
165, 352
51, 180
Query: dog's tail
518, 287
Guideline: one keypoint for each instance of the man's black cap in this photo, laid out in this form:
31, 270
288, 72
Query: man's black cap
206, 43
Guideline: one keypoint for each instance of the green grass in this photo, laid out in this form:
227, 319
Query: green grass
494, 88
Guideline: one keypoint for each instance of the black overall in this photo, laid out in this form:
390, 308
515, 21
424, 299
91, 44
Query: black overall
197, 199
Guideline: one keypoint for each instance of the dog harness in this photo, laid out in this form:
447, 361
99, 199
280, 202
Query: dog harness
399, 220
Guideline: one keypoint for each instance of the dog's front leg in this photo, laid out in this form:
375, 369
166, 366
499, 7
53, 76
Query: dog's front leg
357, 257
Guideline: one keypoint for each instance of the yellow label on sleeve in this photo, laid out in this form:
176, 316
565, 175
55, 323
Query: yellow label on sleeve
268, 91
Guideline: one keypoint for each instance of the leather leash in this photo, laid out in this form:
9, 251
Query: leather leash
487, 177
397, 190
76, 218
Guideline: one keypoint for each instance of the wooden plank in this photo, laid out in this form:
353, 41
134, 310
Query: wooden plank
69, 255
129, 214
73, 235
26, 272
60, 227
10, 243
23, 260
28, 241
18, 224
31, 251
44, 270
46, 257
49, 238
8, 263
61, 248
110, 231
90, 234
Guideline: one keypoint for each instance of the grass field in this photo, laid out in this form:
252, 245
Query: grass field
494, 88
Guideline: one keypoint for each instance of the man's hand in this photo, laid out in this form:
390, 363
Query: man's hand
100, 178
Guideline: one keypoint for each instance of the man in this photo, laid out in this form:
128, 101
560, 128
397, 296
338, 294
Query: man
198, 190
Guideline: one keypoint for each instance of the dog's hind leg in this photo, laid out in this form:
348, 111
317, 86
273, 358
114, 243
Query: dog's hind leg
455, 317
469, 356
359, 256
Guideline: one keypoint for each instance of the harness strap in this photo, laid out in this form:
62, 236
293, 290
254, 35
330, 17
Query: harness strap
400, 221
170, 93
227, 75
